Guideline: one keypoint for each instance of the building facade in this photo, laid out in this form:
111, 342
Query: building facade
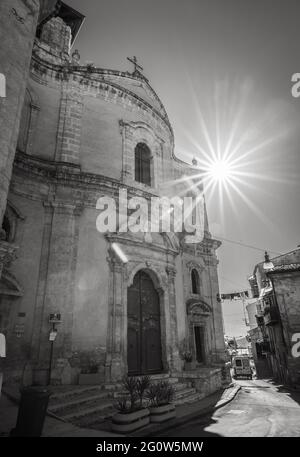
278, 290
257, 336
126, 302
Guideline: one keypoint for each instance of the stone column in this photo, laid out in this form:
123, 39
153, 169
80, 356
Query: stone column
56, 291
18, 22
115, 365
175, 363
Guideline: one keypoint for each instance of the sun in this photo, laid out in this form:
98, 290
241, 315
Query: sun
220, 171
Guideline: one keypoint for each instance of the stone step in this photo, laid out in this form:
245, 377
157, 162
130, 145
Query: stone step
76, 391
113, 387
184, 393
189, 399
182, 385
87, 411
89, 405
160, 376
70, 402
172, 380
93, 420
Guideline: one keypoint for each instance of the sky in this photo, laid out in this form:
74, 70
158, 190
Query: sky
223, 72
234, 316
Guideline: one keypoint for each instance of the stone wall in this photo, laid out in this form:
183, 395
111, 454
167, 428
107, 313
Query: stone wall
287, 289
206, 381
18, 21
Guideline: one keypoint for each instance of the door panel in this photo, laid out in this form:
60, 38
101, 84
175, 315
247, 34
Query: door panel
152, 351
144, 336
199, 343
133, 330
133, 350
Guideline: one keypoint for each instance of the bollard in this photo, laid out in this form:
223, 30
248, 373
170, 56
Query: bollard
32, 411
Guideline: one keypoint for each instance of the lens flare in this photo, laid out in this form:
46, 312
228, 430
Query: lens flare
232, 152
220, 171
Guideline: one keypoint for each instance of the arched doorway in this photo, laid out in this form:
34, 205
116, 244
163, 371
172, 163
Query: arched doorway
143, 332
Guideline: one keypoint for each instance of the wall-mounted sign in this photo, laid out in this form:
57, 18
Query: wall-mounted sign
52, 335
55, 318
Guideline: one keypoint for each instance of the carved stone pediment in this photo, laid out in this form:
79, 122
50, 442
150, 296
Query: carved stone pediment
194, 265
196, 307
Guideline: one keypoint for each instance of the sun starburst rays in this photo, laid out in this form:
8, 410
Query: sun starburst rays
234, 144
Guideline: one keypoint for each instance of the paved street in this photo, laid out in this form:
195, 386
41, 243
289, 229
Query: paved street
259, 409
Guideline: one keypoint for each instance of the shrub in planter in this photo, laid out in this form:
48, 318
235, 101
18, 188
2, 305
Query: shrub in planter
131, 412
143, 384
187, 356
160, 396
188, 360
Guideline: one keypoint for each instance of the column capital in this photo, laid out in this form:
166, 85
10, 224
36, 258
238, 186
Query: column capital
114, 263
171, 272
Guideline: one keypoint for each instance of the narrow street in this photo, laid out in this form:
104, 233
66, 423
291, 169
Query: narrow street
260, 409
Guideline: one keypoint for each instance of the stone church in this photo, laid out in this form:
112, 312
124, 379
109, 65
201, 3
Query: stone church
73, 133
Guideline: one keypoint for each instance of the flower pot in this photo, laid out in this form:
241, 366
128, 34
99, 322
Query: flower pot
188, 366
128, 422
162, 413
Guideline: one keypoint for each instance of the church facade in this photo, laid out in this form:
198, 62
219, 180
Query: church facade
125, 302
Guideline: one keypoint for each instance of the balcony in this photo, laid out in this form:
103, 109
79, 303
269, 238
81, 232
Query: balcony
271, 315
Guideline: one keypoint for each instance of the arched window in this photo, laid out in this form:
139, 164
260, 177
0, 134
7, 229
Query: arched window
195, 282
143, 164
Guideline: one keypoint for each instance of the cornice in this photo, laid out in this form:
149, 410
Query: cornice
70, 175
125, 240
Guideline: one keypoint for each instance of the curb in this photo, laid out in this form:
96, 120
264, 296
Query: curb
187, 418
224, 402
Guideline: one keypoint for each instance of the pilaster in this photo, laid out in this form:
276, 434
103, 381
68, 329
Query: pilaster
116, 357
175, 362
69, 128
55, 292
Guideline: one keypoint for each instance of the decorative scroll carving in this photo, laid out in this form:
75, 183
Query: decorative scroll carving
194, 265
197, 308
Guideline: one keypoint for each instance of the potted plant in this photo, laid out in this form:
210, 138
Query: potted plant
160, 396
132, 413
188, 358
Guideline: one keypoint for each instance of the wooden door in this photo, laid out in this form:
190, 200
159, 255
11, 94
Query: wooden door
143, 333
